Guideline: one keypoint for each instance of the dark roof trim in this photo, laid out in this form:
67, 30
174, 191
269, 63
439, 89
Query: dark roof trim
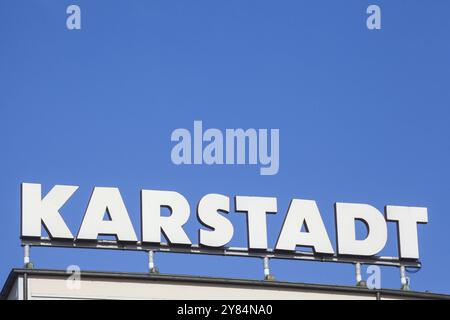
219, 281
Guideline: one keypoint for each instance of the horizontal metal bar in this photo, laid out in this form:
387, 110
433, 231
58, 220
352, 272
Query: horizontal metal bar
228, 251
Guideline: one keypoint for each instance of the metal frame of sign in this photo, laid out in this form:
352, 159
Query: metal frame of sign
226, 251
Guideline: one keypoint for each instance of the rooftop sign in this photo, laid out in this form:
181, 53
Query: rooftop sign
213, 238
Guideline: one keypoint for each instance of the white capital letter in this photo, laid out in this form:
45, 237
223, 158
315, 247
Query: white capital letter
346, 214
110, 201
172, 226
256, 208
407, 219
304, 212
209, 216
37, 211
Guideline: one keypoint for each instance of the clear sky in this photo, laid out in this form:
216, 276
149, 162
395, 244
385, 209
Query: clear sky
363, 116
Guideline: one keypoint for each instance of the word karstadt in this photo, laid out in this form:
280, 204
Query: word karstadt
217, 230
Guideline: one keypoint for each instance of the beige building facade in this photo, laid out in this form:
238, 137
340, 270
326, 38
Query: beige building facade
38, 284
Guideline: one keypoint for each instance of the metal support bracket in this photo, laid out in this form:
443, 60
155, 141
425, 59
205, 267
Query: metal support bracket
151, 262
267, 275
26, 257
359, 281
403, 279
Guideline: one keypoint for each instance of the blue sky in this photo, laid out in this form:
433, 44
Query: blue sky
363, 116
